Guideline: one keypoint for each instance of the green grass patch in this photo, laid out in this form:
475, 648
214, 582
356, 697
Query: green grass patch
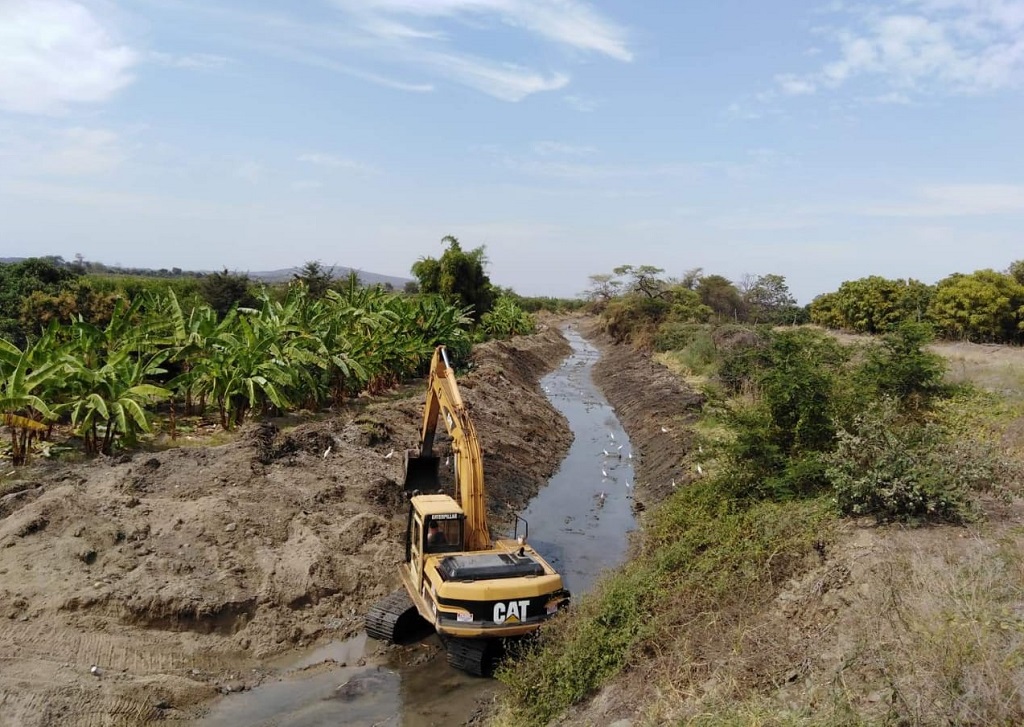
702, 555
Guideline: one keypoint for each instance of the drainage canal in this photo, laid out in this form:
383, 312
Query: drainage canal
579, 521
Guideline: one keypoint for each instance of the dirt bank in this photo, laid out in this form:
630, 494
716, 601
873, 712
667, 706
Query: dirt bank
176, 573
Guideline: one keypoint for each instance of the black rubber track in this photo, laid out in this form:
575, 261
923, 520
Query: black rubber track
478, 657
392, 618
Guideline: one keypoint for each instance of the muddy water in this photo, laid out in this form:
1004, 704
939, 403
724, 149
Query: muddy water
580, 522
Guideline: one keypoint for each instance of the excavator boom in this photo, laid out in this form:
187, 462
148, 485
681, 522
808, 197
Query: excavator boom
421, 465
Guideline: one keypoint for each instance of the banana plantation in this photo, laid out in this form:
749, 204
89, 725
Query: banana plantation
154, 355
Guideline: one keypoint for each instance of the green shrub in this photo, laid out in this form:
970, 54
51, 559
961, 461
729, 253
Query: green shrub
507, 319
899, 366
675, 336
896, 469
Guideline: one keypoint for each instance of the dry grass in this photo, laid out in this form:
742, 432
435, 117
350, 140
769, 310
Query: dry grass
989, 366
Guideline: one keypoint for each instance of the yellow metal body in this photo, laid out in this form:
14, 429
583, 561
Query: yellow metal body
490, 607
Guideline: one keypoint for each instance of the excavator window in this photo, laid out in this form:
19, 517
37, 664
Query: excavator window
444, 533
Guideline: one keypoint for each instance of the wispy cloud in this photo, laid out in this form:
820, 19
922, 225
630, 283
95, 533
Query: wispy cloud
583, 104
956, 200
504, 81
582, 173
189, 61
54, 53
31, 150
428, 35
920, 46
559, 148
568, 22
250, 171
331, 161
377, 40
80, 151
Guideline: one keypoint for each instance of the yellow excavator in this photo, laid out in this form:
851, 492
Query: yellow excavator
474, 591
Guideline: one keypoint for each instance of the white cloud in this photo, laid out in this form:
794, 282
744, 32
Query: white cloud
190, 61
334, 162
793, 86
584, 173
408, 31
28, 149
957, 200
321, 61
249, 171
567, 22
54, 53
504, 81
553, 148
581, 103
79, 151
431, 37
928, 46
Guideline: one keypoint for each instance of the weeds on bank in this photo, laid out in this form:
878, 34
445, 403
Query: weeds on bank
702, 555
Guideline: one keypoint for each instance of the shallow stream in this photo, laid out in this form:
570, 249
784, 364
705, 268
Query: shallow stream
579, 522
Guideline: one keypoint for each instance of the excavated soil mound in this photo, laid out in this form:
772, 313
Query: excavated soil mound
133, 589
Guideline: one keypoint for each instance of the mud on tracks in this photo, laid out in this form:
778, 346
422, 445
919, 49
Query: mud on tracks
177, 573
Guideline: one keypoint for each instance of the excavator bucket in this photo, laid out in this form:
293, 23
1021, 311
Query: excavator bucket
421, 472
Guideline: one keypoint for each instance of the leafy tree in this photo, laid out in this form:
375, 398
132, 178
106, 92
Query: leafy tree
315, 277
1016, 271
982, 306
225, 290
691, 278
19, 281
687, 307
893, 469
871, 305
767, 300
603, 287
720, 295
458, 276
644, 280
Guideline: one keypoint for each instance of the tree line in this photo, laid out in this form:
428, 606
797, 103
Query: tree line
983, 306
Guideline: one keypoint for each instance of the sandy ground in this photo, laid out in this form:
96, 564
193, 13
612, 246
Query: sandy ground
135, 589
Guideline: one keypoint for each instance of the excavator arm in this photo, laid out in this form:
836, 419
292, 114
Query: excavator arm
445, 402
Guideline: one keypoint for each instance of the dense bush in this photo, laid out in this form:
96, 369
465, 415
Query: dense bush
895, 469
900, 366
507, 319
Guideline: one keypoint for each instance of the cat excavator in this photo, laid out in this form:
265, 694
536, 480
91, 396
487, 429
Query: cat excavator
475, 592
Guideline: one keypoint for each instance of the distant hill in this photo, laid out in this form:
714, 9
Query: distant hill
267, 276
366, 278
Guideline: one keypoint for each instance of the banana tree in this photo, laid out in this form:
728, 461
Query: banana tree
243, 370
187, 336
24, 375
108, 403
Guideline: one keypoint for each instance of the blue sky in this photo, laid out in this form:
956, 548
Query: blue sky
821, 141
